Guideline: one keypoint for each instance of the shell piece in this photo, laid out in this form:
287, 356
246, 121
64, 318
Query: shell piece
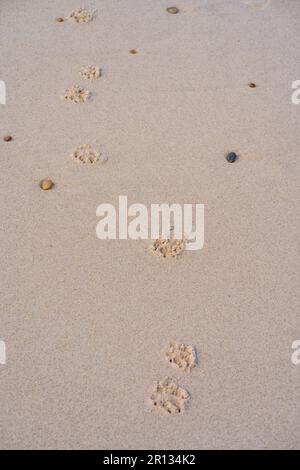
76, 94
90, 72
81, 15
85, 154
168, 397
181, 356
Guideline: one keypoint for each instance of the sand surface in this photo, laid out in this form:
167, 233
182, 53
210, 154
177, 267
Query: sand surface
86, 322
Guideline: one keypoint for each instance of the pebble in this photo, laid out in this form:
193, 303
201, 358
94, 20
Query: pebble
46, 184
60, 19
172, 10
252, 85
7, 138
231, 157
133, 51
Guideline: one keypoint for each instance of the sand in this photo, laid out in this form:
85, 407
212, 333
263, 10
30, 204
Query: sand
86, 323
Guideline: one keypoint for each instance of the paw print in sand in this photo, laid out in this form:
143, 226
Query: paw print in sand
181, 356
85, 154
76, 94
168, 397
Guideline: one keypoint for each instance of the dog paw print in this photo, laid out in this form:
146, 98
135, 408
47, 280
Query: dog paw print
85, 154
168, 397
181, 356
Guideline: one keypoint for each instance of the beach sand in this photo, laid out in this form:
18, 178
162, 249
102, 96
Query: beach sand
86, 323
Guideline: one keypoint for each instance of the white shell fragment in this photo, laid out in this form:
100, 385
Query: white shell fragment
168, 397
181, 356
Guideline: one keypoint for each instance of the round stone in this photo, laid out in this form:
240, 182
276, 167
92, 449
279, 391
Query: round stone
231, 157
7, 138
46, 184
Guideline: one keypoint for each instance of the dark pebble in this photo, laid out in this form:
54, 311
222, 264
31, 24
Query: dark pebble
172, 10
252, 85
231, 157
7, 138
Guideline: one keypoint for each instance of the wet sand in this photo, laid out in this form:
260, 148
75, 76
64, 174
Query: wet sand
86, 322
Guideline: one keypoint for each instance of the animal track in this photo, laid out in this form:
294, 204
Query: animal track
168, 247
86, 155
181, 356
81, 15
90, 72
76, 94
168, 397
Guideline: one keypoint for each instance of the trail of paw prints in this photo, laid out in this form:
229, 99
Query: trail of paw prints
166, 395
77, 93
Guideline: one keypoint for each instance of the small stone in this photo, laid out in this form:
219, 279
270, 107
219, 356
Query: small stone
231, 157
7, 138
173, 10
133, 51
252, 85
46, 184
60, 19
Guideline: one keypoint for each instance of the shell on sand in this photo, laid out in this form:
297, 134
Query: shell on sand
181, 356
168, 397
76, 94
